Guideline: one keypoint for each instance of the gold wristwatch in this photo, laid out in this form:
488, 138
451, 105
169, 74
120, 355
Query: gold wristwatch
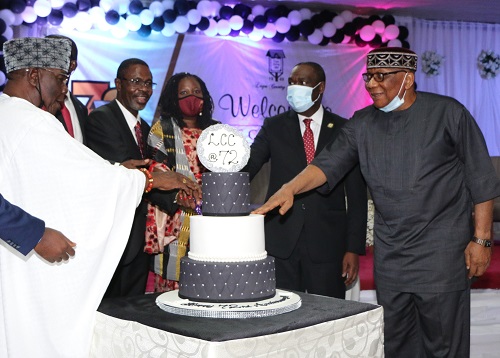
485, 243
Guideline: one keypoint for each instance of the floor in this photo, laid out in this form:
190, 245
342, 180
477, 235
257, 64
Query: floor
485, 321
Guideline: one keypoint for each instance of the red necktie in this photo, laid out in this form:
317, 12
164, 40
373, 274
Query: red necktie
67, 119
138, 135
308, 138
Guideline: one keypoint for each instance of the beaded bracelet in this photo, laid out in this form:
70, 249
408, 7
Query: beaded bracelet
149, 178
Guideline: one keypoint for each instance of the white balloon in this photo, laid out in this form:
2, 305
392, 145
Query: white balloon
2, 78
157, 8
7, 16
236, 22
133, 22
147, 17
168, 4
120, 29
97, 14
306, 14
181, 24
258, 10
193, 16
106, 5
121, 6
215, 8
283, 25
329, 29
391, 32
269, 31
223, 27
83, 21
42, 8
394, 43
295, 17
211, 31
168, 30
367, 33
57, 4
316, 37
256, 35
68, 23
204, 8
379, 26
347, 15
338, 21
29, 15
8, 33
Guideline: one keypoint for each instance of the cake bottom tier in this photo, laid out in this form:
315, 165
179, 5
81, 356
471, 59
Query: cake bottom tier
227, 281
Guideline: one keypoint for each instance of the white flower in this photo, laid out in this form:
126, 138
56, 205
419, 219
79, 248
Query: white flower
431, 63
488, 64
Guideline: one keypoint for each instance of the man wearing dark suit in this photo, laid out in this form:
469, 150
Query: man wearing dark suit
317, 243
77, 112
117, 133
24, 233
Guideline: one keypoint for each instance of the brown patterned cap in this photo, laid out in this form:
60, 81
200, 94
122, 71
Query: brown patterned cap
392, 57
29, 52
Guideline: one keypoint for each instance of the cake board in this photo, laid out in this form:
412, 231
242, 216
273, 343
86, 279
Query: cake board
282, 302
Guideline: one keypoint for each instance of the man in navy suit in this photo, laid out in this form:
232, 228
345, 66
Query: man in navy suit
117, 133
24, 233
317, 243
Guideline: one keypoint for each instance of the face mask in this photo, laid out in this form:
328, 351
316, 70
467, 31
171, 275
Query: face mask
191, 106
396, 101
299, 97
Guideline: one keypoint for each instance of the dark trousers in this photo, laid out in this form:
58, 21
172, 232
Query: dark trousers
426, 324
131, 279
298, 272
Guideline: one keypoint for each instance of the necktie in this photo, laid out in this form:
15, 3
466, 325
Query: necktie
308, 138
138, 135
67, 119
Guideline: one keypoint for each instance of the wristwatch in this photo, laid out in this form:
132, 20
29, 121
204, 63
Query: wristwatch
485, 243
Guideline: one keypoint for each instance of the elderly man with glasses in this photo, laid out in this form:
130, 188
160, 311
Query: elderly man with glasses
427, 167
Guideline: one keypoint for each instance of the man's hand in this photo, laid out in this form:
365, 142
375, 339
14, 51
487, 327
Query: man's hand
184, 199
54, 246
135, 163
350, 267
170, 180
282, 198
477, 259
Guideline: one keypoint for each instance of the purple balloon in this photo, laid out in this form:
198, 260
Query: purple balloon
226, 12
169, 16
69, 10
158, 24
17, 6
41, 20
279, 37
83, 5
55, 17
306, 27
203, 24
182, 7
247, 26
260, 21
144, 31
112, 17
293, 34
242, 10
135, 7
3, 26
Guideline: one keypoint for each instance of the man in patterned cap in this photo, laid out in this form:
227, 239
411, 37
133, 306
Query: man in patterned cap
427, 167
47, 310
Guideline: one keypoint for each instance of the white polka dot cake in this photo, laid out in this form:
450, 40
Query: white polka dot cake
227, 260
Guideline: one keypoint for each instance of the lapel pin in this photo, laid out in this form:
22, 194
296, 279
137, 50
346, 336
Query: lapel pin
330, 125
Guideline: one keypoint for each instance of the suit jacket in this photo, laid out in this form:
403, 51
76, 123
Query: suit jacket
81, 112
109, 135
18, 228
330, 229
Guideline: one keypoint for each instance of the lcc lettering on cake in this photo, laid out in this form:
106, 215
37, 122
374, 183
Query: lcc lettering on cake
224, 140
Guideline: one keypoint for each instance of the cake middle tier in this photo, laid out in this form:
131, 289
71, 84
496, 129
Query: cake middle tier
227, 238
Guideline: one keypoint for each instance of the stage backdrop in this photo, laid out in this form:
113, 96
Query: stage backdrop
247, 79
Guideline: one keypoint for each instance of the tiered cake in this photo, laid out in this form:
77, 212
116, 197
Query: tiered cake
227, 261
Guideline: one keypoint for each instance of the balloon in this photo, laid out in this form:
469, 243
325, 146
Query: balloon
69, 10
258, 10
349, 29
223, 27
306, 27
194, 16
388, 20
215, 6
256, 35
236, 22
346, 39
29, 15
8, 33
168, 30
394, 43
83, 21
260, 22
294, 17
112, 17
42, 21
328, 29
359, 41
182, 7
283, 25
318, 21
212, 28
83, 5
316, 37
158, 24
279, 37
18, 6
3, 26
226, 12
133, 22
272, 15
367, 33
325, 41
18, 20
168, 4
169, 16
391, 32
403, 32
2, 77
203, 24
339, 22
306, 14
144, 31
269, 31
347, 15
57, 4
242, 10
106, 5
135, 7
247, 27
119, 30
376, 42
42, 8
157, 8
379, 26
293, 34
204, 8
7, 16
181, 24
55, 17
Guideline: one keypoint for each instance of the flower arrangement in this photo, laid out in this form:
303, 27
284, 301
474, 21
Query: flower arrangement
431, 63
488, 63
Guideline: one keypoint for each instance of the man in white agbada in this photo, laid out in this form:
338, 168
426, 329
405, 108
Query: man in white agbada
47, 310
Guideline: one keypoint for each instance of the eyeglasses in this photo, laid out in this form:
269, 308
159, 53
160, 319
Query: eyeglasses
63, 78
378, 76
136, 82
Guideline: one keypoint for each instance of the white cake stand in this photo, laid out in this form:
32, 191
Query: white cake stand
282, 302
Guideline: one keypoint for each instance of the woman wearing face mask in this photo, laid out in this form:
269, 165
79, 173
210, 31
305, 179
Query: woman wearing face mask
186, 109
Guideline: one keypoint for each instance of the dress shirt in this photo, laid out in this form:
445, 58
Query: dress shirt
77, 130
131, 120
317, 119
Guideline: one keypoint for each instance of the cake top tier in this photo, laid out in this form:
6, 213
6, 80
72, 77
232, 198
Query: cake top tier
222, 148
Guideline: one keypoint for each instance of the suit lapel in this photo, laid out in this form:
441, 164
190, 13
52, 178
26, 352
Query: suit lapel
293, 130
123, 127
326, 132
